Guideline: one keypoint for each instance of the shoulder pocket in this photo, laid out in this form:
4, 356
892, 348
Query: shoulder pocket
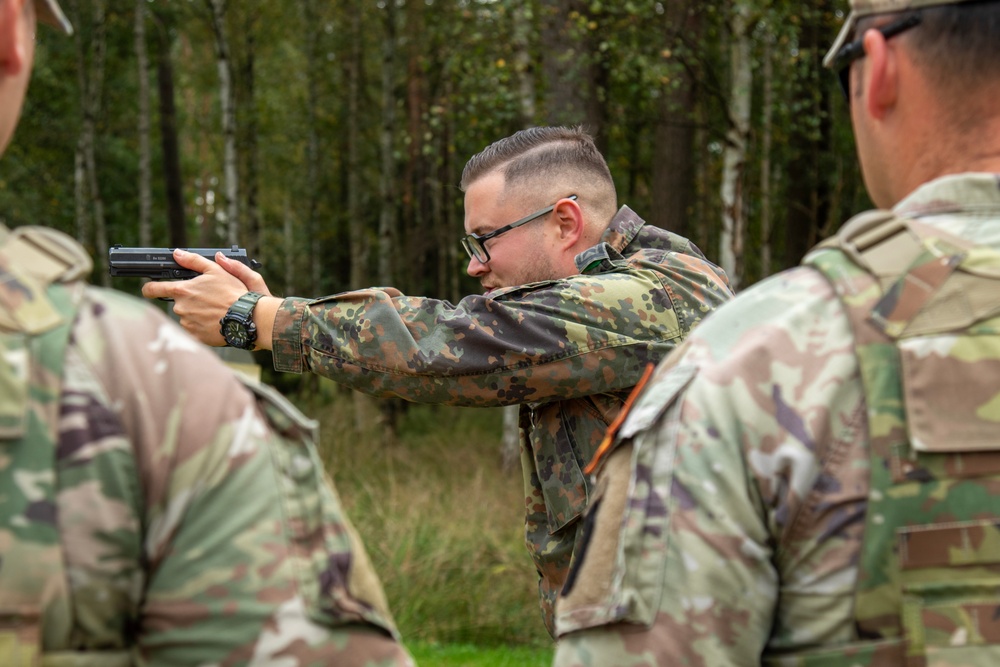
664, 388
627, 516
950, 580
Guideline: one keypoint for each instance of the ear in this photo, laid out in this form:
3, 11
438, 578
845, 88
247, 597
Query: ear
569, 220
882, 82
13, 50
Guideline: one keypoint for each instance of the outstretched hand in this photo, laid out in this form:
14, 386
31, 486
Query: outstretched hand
202, 301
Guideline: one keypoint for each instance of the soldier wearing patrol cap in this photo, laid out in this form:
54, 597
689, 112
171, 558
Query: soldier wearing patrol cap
155, 509
815, 474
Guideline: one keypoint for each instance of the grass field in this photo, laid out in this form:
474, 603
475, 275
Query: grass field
443, 524
467, 655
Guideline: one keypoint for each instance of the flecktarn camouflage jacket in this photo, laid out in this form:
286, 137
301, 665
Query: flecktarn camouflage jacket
567, 351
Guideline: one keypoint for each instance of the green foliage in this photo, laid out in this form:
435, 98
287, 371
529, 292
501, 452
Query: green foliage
463, 76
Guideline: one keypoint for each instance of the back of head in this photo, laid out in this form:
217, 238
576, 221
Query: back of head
543, 164
956, 42
958, 47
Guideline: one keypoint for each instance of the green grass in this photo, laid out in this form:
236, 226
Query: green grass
443, 525
464, 655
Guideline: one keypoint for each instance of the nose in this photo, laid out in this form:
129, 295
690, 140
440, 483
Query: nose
476, 268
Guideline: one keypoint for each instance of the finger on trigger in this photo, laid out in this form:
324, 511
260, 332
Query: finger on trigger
192, 260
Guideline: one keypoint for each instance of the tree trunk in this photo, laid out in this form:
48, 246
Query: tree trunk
573, 72
228, 104
355, 216
390, 408
313, 69
765, 157
248, 107
168, 137
735, 154
807, 193
673, 171
91, 78
387, 170
80, 194
523, 62
364, 405
145, 174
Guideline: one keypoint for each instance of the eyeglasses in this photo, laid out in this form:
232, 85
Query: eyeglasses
856, 50
475, 244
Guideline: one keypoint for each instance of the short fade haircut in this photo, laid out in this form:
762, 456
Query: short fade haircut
528, 153
957, 45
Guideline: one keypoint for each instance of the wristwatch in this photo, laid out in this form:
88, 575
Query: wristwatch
238, 327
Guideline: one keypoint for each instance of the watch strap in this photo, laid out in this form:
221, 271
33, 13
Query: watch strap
243, 306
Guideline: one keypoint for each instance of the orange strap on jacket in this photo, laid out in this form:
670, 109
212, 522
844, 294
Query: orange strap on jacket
609, 436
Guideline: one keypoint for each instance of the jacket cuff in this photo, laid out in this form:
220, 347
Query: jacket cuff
286, 337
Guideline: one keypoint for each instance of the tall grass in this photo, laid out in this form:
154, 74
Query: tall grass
443, 523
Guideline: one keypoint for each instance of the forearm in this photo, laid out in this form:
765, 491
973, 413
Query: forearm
263, 317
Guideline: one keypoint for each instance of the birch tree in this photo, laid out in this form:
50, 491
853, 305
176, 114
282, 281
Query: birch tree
90, 74
737, 136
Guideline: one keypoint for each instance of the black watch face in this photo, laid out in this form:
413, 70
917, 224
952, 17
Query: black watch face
237, 334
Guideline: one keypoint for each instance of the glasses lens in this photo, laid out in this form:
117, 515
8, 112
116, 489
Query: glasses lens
475, 249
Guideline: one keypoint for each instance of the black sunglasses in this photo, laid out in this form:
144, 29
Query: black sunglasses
475, 244
856, 50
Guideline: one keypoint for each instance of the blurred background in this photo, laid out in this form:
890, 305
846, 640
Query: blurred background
328, 138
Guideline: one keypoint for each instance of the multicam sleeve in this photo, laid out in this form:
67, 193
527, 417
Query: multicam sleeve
216, 508
555, 340
727, 521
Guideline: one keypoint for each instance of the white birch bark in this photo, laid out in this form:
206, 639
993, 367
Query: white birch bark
735, 154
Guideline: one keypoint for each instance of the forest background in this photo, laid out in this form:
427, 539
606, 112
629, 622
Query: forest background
328, 139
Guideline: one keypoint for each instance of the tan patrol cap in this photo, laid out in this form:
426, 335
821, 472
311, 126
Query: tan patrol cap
863, 8
48, 12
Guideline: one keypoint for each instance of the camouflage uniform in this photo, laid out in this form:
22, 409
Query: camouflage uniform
567, 351
814, 476
154, 509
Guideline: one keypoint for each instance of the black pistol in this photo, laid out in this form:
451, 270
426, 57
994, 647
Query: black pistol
159, 264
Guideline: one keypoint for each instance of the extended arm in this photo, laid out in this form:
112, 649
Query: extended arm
585, 335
